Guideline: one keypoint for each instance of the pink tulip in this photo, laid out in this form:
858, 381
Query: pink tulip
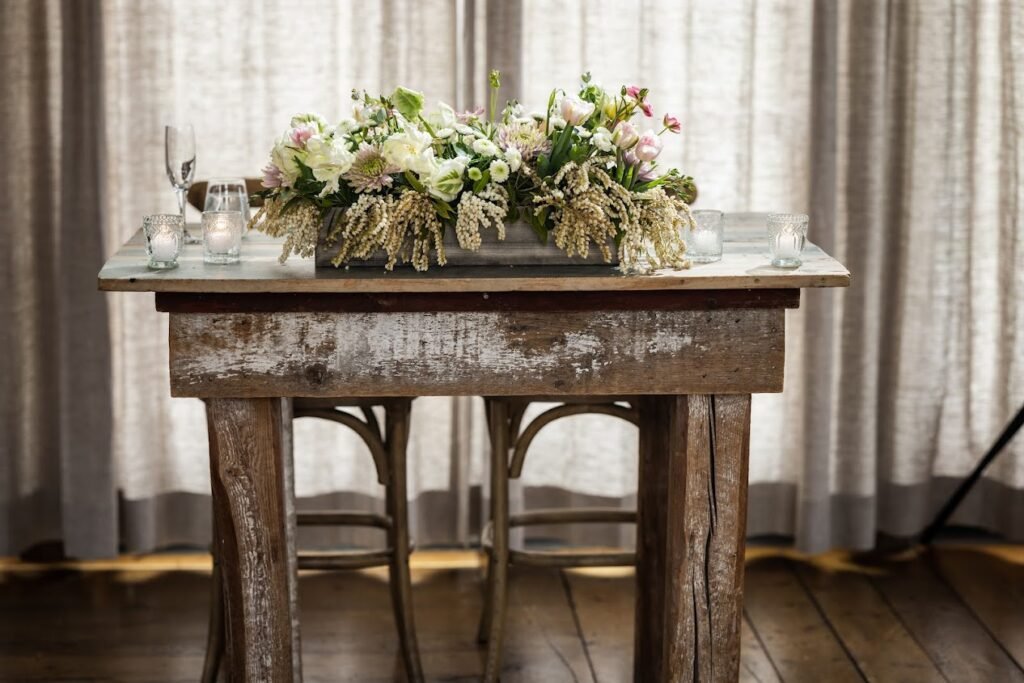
672, 124
574, 110
625, 135
647, 109
648, 147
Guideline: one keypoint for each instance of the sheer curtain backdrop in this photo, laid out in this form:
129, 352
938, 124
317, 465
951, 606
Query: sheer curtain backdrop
896, 125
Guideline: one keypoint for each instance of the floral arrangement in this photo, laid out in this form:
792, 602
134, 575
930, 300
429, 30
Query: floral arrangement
395, 177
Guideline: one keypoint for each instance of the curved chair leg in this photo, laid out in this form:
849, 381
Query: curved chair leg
497, 577
483, 629
215, 629
398, 538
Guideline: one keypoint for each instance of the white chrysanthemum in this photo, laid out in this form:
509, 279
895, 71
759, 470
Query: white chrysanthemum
474, 174
499, 171
486, 148
514, 158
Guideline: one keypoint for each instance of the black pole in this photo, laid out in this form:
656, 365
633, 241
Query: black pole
928, 535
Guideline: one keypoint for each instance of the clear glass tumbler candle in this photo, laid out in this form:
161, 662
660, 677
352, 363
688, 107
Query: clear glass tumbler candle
222, 236
787, 233
165, 233
704, 238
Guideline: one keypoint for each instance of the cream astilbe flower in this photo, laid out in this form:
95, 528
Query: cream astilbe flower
655, 240
588, 207
299, 224
525, 136
370, 171
480, 210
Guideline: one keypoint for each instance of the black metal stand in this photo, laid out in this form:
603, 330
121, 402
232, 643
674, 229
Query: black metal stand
928, 535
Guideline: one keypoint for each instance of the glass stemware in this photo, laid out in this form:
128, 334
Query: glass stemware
227, 194
180, 147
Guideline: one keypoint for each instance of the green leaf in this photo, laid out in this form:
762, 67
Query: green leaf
413, 182
482, 183
408, 102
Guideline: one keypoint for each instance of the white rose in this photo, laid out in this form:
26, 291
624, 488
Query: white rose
514, 158
445, 181
499, 171
602, 139
409, 150
486, 148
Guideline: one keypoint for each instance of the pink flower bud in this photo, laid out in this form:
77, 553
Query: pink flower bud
672, 123
647, 109
625, 135
648, 147
633, 91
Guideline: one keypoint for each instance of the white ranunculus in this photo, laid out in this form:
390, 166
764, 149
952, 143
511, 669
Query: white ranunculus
285, 157
409, 150
514, 158
486, 148
499, 170
602, 139
445, 182
328, 158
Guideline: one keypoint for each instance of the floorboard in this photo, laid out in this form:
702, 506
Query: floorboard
957, 615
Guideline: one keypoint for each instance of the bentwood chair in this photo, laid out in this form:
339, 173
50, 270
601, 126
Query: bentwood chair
510, 442
387, 444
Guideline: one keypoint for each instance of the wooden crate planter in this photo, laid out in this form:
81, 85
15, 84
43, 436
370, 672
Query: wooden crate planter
519, 248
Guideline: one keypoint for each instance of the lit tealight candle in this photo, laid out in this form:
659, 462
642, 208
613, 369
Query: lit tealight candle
163, 246
787, 245
219, 238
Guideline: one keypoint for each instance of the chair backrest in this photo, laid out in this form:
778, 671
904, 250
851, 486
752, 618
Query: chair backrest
197, 192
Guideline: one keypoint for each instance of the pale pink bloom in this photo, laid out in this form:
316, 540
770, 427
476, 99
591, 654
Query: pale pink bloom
648, 147
633, 91
672, 124
301, 133
625, 135
645, 173
272, 176
370, 171
470, 114
647, 109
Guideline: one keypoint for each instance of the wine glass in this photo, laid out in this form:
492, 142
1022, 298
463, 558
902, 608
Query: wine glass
180, 145
227, 194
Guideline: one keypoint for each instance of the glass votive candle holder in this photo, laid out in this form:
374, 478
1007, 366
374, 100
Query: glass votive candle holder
165, 234
704, 238
787, 233
222, 236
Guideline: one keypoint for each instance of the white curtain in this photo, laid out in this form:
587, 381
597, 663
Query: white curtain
896, 125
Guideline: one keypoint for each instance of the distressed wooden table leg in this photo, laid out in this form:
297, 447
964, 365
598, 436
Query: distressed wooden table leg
249, 472
692, 525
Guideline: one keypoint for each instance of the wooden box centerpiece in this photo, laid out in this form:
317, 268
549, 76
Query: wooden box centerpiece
396, 184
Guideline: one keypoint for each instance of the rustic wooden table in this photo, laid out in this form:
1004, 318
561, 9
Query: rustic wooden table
693, 344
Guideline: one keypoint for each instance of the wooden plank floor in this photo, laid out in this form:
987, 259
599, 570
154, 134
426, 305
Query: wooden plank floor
956, 614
